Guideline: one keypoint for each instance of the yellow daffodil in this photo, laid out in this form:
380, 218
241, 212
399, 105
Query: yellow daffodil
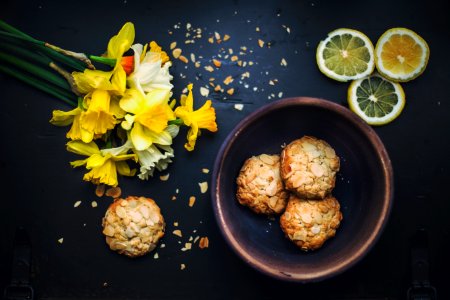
151, 69
147, 117
76, 132
203, 118
103, 164
114, 80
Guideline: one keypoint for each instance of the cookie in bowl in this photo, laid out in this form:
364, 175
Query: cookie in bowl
133, 226
259, 185
309, 223
308, 167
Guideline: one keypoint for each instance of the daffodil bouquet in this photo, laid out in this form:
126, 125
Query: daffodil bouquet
119, 115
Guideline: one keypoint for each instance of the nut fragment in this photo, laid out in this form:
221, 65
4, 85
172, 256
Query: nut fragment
230, 91
204, 242
114, 192
183, 59
177, 232
191, 201
217, 63
100, 190
176, 52
260, 43
228, 80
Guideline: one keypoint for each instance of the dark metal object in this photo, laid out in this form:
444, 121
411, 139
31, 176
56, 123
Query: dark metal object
421, 288
20, 287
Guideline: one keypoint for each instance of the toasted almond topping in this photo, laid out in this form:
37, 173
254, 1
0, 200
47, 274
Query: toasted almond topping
260, 43
182, 266
230, 91
197, 64
94, 204
209, 68
230, 51
226, 37
204, 91
246, 75
238, 106
257, 29
204, 170
100, 190
271, 82
177, 232
174, 198
191, 201
173, 45
156, 256
283, 62
217, 35
188, 246
114, 192
211, 40
217, 63
176, 52
164, 177
183, 59
193, 57
217, 88
203, 186
234, 58
228, 80
204, 242
76, 204
196, 239
239, 63
61, 240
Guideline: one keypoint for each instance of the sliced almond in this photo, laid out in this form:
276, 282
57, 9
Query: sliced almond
204, 242
191, 201
173, 45
176, 52
211, 40
234, 58
217, 35
94, 204
230, 91
228, 80
260, 43
226, 37
177, 232
204, 91
283, 62
238, 106
182, 266
204, 170
217, 88
203, 186
164, 177
114, 192
100, 190
217, 63
61, 240
76, 204
209, 68
183, 59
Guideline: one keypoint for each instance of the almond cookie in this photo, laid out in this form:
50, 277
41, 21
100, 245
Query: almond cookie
308, 167
133, 226
260, 186
309, 223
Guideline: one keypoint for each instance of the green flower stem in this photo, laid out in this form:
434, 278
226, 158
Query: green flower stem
35, 70
43, 86
103, 60
178, 122
43, 49
25, 53
6, 27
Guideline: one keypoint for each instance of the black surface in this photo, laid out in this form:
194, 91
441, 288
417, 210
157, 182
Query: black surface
39, 187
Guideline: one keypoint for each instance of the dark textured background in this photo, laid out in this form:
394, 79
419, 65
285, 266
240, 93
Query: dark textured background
39, 187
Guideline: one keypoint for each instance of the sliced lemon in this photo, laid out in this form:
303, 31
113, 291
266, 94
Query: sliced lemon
376, 100
345, 54
401, 54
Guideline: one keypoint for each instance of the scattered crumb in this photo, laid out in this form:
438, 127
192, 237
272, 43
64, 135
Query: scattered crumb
283, 62
164, 177
204, 242
176, 52
230, 91
162, 246
211, 40
238, 106
193, 57
226, 37
260, 43
177, 232
191, 201
156, 256
173, 45
196, 239
187, 246
217, 63
94, 204
204, 170
182, 266
100, 190
217, 88
76, 204
175, 224
209, 68
204, 91
174, 198
280, 94
234, 58
203, 186
228, 80
114, 192
183, 59
61, 240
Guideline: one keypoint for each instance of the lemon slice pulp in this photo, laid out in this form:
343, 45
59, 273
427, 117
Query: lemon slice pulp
345, 54
401, 54
376, 100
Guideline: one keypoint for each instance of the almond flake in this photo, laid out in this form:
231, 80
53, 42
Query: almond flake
174, 198
206, 171
193, 57
246, 75
217, 63
183, 59
226, 37
230, 51
173, 45
164, 177
175, 224
76, 204
204, 242
196, 239
271, 82
188, 246
283, 62
182, 266
239, 63
234, 58
197, 64
280, 94
238, 106
100, 190
217, 35
217, 88
209, 68
211, 40
260, 43
94, 204
156, 256
114, 192
257, 29
204, 185
61, 240
191, 201
176, 52
228, 80
204, 91
230, 91
177, 232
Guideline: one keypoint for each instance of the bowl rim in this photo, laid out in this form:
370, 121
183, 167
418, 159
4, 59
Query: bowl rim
387, 199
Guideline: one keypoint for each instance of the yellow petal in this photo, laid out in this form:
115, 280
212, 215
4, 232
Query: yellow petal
115, 109
189, 101
64, 118
157, 97
119, 79
133, 101
139, 137
154, 119
106, 174
121, 42
78, 163
192, 137
89, 80
81, 148
206, 117
124, 169
97, 160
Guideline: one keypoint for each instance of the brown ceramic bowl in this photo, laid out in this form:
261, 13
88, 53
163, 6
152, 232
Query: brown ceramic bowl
364, 188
